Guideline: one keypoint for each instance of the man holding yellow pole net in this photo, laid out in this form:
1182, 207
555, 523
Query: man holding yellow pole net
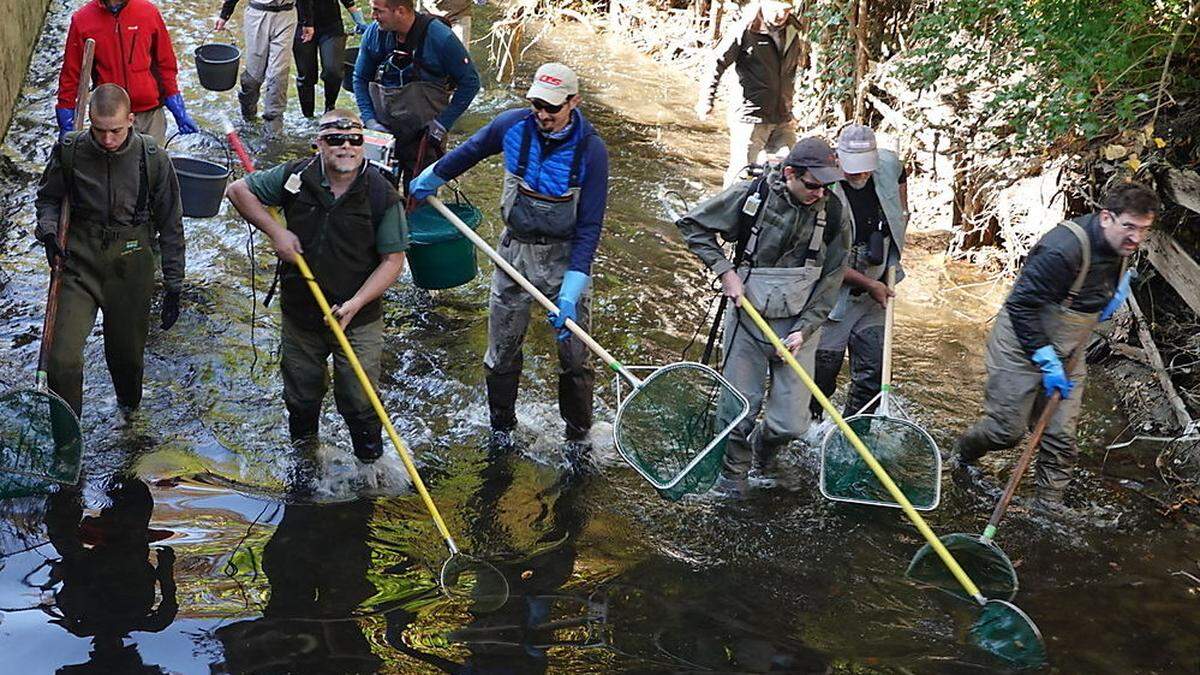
792, 261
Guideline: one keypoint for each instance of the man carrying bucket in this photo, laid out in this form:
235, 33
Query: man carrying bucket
876, 190
765, 51
1075, 275
553, 200
269, 26
413, 78
133, 50
124, 200
791, 272
347, 220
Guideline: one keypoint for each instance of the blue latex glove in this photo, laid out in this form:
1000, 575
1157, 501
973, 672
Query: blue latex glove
573, 285
66, 120
182, 119
425, 185
360, 24
1053, 377
1119, 297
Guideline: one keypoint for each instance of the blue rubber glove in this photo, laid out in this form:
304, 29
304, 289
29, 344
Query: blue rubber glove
1053, 377
1119, 297
425, 185
360, 24
66, 120
573, 285
182, 120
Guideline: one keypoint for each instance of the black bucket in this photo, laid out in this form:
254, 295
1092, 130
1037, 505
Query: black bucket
217, 65
348, 61
201, 182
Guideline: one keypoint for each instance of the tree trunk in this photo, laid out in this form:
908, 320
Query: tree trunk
862, 22
715, 11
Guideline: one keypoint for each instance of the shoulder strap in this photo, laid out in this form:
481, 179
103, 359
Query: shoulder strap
418, 33
148, 171
817, 241
749, 213
67, 158
523, 155
295, 167
577, 160
378, 192
1085, 262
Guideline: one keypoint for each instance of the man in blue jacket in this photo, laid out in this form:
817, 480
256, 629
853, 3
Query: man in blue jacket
413, 77
553, 200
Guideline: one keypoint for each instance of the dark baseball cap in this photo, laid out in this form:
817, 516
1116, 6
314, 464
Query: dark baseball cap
814, 154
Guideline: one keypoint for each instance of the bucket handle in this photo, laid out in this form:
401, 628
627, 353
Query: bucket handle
218, 139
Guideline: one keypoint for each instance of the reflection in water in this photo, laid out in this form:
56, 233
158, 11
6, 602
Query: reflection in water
316, 563
103, 583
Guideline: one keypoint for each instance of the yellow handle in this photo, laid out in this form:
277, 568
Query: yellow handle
863, 452
334, 326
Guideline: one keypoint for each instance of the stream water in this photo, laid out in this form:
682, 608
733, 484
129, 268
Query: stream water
604, 575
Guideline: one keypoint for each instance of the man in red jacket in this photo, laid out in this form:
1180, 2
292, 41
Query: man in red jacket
133, 50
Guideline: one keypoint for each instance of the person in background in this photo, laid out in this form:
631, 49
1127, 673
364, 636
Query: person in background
124, 202
329, 43
553, 199
133, 51
765, 53
876, 189
270, 27
455, 12
413, 79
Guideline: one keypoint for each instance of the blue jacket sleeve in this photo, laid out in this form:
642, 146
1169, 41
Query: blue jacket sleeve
482, 144
593, 198
455, 62
370, 55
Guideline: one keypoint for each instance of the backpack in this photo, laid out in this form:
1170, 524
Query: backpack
147, 169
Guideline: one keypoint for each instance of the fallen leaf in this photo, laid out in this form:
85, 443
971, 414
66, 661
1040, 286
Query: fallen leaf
1114, 152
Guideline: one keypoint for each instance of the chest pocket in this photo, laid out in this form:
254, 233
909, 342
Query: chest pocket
137, 48
781, 292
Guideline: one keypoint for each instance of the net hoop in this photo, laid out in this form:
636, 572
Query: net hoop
713, 443
930, 443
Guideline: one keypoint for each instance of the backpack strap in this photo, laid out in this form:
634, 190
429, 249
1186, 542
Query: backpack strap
523, 154
69, 146
143, 210
1085, 263
749, 217
817, 241
577, 161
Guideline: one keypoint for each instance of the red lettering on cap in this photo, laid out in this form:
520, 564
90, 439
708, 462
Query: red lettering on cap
550, 79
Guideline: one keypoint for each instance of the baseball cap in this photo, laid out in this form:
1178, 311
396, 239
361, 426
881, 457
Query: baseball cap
856, 149
553, 83
814, 154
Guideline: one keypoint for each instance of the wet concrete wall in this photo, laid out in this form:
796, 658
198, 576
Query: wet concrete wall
19, 29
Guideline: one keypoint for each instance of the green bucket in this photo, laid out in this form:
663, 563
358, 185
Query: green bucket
438, 254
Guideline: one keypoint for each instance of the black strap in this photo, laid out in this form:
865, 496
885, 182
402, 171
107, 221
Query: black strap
577, 161
747, 223
523, 155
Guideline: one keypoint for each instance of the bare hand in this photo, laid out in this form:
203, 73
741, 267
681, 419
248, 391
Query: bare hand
794, 341
220, 25
287, 246
703, 108
731, 285
345, 312
306, 34
880, 293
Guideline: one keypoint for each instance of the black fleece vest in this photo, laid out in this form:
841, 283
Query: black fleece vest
338, 237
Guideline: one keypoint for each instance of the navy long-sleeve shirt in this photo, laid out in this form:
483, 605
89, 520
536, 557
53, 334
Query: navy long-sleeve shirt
443, 59
503, 135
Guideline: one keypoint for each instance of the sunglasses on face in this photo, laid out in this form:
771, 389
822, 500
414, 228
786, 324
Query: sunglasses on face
815, 186
539, 104
338, 140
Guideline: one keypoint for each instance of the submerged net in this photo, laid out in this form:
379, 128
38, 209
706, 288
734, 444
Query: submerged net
1003, 630
983, 561
672, 429
908, 454
40, 441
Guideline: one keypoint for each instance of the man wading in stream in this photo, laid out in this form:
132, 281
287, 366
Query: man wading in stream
791, 271
133, 50
553, 199
269, 27
1074, 275
877, 193
413, 79
348, 221
124, 199
765, 52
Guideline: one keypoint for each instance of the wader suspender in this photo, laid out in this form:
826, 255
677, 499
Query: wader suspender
141, 209
755, 198
379, 207
576, 161
1085, 244
416, 34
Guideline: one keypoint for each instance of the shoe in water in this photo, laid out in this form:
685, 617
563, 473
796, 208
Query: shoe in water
731, 488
